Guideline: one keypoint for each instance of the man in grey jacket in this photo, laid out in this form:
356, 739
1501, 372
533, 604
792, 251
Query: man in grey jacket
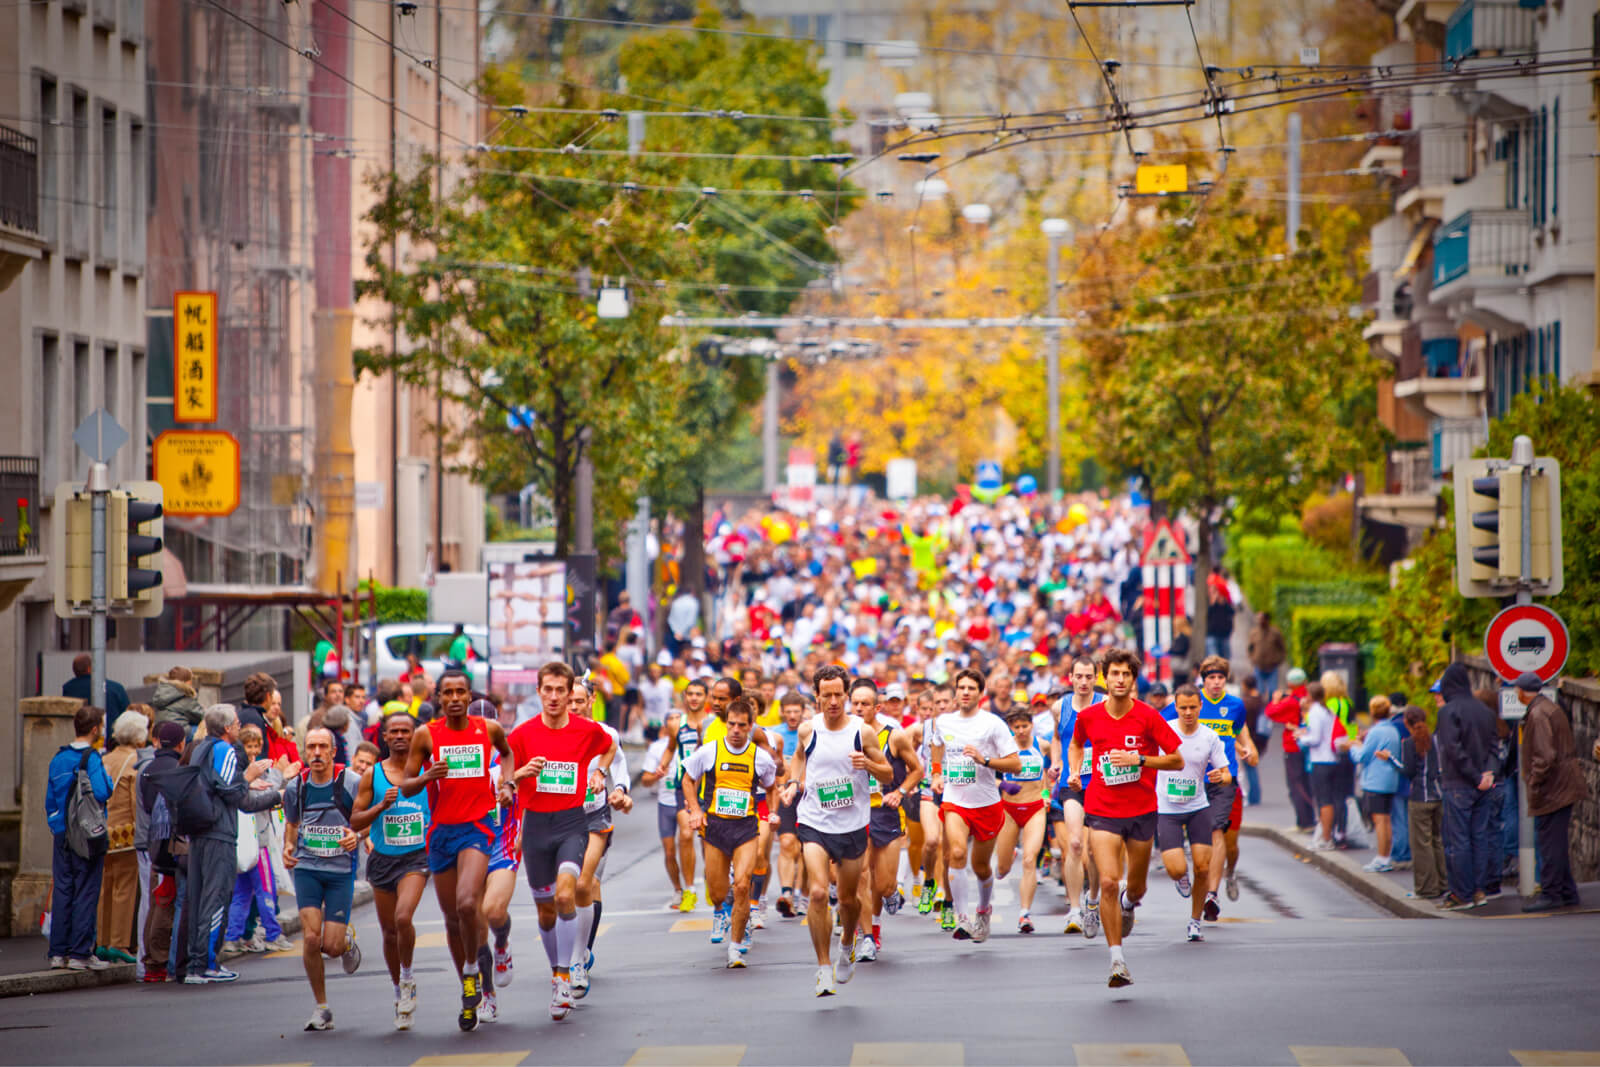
213, 855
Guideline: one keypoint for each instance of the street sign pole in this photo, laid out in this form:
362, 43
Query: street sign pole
99, 490
1522, 453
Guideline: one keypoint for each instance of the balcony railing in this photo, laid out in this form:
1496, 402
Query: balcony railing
1491, 243
19, 180
1490, 27
1434, 157
1409, 472
19, 506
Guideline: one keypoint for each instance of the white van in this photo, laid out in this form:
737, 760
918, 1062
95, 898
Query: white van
430, 641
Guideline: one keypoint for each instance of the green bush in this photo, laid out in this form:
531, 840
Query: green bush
1261, 563
1354, 591
1313, 625
400, 605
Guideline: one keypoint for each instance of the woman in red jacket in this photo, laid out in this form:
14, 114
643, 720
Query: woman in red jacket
1287, 708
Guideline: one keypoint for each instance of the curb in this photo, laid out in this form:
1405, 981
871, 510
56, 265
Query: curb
1379, 891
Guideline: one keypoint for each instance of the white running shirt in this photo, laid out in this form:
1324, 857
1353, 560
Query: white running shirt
967, 782
836, 798
1182, 792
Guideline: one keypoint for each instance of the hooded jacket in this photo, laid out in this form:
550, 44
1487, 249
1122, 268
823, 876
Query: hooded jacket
1466, 733
175, 701
1550, 759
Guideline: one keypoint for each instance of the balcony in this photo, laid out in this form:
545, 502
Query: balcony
20, 240
1447, 383
1491, 28
22, 558
1488, 247
1408, 496
1432, 160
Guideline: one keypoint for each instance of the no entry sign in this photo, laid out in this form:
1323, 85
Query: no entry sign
1527, 637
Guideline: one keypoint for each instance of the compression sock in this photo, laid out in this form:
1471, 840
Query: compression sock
548, 937
580, 942
758, 886
958, 891
985, 892
877, 933
486, 967
566, 939
594, 927
502, 935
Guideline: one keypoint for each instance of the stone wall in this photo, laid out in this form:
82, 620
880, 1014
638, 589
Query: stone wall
1580, 698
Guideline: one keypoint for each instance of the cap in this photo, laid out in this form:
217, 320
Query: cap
664, 658
1437, 686
1040, 700
169, 734
396, 705
1297, 676
894, 691
1529, 682
1157, 690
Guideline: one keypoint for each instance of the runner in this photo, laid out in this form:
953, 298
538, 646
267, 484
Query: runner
608, 789
680, 746
1022, 797
1083, 912
919, 708
495, 966
319, 851
935, 877
450, 758
728, 772
1224, 713
398, 866
1129, 740
1183, 810
791, 870
666, 802
971, 746
550, 754
886, 826
828, 773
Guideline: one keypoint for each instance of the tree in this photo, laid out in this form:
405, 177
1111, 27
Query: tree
1227, 376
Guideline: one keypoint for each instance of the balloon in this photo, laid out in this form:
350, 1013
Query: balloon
1077, 515
1027, 485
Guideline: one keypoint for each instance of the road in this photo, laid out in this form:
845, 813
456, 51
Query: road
1300, 970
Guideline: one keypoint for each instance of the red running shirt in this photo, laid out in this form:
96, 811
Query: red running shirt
466, 794
564, 779
1122, 792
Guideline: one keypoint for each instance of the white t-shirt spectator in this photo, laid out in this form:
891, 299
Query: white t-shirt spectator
657, 697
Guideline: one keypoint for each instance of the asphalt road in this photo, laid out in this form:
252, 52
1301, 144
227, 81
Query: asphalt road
1299, 971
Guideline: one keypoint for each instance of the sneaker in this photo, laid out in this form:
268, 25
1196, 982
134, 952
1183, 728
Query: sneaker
758, 920
1493, 893
488, 1009
980, 925
402, 1018
560, 999
588, 960
1194, 933
321, 1019
867, 950
1479, 898
91, 963
1319, 844
844, 968
1451, 902
471, 996
1212, 909
894, 902
748, 939
221, 974
578, 981
735, 958
352, 951
963, 930
947, 917
115, 955
232, 948
1119, 975
1024, 924
151, 974
720, 925
1184, 887
258, 943
686, 904
1378, 865
407, 1003
59, 963
1230, 885
785, 906
1074, 922
1091, 920
194, 979
825, 984
925, 900
282, 944
1128, 907
504, 970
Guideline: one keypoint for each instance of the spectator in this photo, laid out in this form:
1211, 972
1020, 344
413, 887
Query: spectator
1466, 738
174, 699
256, 886
81, 681
1419, 763
1289, 709
422, 708
158, 846
1317, 739
1502, 832
656, 691
119, 885
75, 893
259, 690
213, 854
1260, 728
1402, 796
332, 692
1378, 756
280, 739
1338, 698
1555, 783
1181, 650
461, 651
1219, 622
1267, 652
336, 720
355, 698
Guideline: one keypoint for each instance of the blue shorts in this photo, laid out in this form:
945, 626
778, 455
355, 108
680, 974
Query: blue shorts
325, 891
506, 856
448, 840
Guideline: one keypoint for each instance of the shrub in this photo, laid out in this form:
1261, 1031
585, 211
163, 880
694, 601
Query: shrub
1262, 563
1325, 521
400, 605
1354, 591
1312, 626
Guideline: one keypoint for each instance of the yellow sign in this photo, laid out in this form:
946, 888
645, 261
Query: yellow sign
198, 471
1168, 179
194, 357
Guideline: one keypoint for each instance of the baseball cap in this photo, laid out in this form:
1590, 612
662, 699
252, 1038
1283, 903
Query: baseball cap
169, 734
1529, 681
1437, 686
894, 691
1157, 690
1297, 676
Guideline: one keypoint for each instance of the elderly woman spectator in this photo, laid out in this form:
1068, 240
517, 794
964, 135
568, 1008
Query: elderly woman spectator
119, 885
1419, 762
1377, 753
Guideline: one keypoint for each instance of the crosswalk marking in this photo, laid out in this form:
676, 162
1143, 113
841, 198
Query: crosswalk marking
1556, 1057
285, 954
1119, 1055
907, 1054
687, 1056
689, 926
474, 1059
1341, 1056
436, 939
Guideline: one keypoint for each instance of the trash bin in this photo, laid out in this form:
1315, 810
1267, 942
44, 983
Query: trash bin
1344, 659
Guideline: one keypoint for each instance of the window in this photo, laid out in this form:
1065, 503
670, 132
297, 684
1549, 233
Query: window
1555, 157
854, 49
138, 195
51, 410
47, 105
82, 401
108, 183
110, 387
1555, 349
139, 428
823, 30
80, 200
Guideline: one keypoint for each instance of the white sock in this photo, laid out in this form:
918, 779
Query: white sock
985, 892
902, 873
405, 974
580, 946
1383, 859
958, 890
566, 938
1116, 954
470, 968
548, 937
397, 991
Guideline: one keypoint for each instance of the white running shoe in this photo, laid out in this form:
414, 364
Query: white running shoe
980, 925
963, 930
1119, 975
845, 967
1184, 886
1091, 920
758, 917
1230, 885
735, 957
1128, 907
504, 969
352, 951
578, 982
321, 1019
402, 1018
1074, 922
407, 1004
560, 999
867, 949
825, 986
488, 1009
1194, 933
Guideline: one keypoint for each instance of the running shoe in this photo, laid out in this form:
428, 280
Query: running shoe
785, 906
963, 930
1230, 884
59, 963
925, 901
1448, 902
1212, 909
866, 950
504, 969
894, 902
402, 1018
825, 985
95, 963
844, 968
560, 998
352, 951
407, 1003
758, 918
471, 995
747, 940
588, 961
188, 979
578, 981
282, 944
232, 948
220, 974
947, 917
1128, 907
1194, 933
1074, 922
720, 925
488, 1009
1375, 865
1091, 920
321, 1019
980, 925
688, 902
257, 943
1024, 924
1119, 975
735, 957
1184, 887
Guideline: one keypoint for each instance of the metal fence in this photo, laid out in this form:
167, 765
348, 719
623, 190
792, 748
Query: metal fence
19, 180
19, 506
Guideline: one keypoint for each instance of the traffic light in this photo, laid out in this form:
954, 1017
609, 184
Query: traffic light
1489, 518
72, 551
133, 548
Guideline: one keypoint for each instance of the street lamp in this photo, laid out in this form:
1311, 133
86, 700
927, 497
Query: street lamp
1056, 231
977, 214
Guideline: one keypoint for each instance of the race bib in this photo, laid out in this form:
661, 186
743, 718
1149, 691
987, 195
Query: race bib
836, 793
1111, 774
322, 840
464, 761
558, 777
402, 829
1088, 763
1182, 788
961, 770
732, 803
1032, 768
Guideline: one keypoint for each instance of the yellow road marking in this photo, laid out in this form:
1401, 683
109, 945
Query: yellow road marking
437, 939
1119, 1055
689, 926
687, 1056
1341, 1056
474, 1059
1555, 1057
907, 1054
1239, 919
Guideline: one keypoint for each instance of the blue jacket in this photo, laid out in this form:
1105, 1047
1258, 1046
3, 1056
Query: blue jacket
63, 769
116, 696
1379, 774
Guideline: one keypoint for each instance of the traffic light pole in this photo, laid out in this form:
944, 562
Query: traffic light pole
1522, 454
99, 491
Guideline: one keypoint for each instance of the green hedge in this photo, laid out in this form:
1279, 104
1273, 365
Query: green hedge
401, 605
1313, 625
1261, 564
1354, 591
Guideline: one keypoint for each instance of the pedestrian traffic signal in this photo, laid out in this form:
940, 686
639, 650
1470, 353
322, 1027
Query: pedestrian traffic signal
72, 551
1489, 527
133, 549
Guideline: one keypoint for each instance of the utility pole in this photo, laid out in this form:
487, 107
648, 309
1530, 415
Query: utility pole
638, 569
438, 203
1055, 230
769, 430
1522, 455
99, 490
1293, 221
584, 495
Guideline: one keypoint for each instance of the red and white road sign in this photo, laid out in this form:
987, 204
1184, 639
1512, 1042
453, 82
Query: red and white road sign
1164, 568
1527, 637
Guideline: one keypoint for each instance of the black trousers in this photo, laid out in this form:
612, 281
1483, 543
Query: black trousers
1299, 782
1552, 832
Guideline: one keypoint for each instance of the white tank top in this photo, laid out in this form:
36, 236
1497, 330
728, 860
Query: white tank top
836, 798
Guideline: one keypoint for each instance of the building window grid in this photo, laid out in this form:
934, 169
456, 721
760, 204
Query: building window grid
1555, 157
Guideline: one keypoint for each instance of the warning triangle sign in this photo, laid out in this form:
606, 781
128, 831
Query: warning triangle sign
1163, 544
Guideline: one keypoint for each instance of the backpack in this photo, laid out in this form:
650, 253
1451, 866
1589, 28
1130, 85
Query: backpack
86, 819
192, 806
345, 802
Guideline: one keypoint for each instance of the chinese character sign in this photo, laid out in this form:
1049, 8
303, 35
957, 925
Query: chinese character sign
194, 357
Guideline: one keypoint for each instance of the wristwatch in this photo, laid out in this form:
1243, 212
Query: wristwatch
986, 761
1141, 759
